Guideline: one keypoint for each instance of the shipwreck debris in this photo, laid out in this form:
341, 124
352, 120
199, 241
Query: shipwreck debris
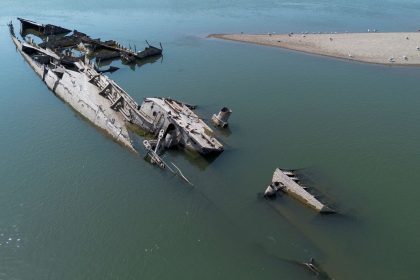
311, 266
181, 125
67, 79
221, 119
45, 30
288, 182
11, 29
110, 69
128, 58
315, 268
272, 189
60, 41
104, 55
153, 155
179, 173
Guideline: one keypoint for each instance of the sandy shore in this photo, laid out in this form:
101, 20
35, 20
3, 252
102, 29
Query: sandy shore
402, 48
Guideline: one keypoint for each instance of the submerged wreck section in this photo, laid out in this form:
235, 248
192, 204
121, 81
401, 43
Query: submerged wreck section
70, 82
221, 119
287, 182
45, 30
180, 124
60, 41
102, 101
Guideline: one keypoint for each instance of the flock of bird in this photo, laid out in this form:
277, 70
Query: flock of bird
391, 59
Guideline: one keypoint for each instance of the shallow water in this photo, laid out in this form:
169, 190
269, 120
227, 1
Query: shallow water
76, 205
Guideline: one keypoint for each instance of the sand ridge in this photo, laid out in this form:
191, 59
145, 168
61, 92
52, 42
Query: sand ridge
401, 48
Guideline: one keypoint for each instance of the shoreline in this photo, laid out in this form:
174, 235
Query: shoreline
376, 48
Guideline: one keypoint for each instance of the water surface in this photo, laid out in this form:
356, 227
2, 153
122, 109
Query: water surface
76, 205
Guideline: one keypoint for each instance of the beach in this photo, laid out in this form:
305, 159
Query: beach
401, 48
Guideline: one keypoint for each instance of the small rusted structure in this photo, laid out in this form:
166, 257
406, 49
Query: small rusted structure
221, 119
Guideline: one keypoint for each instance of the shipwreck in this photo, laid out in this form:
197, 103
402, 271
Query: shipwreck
65, 65
286, 181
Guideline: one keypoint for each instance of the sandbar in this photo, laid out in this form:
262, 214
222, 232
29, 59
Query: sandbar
398, 48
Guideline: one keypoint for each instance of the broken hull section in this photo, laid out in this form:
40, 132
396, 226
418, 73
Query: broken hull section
289, 185
47, 29
180, 124
149, 52
74, 88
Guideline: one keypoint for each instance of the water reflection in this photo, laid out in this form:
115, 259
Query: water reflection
140, 62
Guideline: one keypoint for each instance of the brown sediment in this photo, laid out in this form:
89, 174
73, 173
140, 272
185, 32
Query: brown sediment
400, 48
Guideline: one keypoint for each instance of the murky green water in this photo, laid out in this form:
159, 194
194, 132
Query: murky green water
76, 205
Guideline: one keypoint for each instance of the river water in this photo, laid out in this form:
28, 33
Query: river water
76, 205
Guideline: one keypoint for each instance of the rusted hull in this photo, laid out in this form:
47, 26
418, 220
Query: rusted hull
45, 30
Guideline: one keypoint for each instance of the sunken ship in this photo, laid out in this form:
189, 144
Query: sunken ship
77, 80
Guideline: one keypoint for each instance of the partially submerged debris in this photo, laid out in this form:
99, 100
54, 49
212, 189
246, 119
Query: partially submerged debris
272, 189
153, 156
221, 119
69, 81
153, 153
110, 69
53, 39
181, 125
313, 267
287, 181
46, 30
179, 173
128, 58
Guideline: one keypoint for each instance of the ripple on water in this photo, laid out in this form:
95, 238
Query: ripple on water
11, 239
